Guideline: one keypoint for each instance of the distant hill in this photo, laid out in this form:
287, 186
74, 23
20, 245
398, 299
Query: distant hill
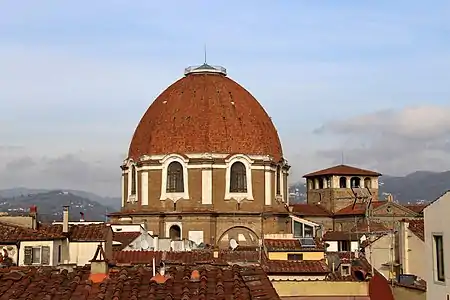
50, 205
415, 187
113, 202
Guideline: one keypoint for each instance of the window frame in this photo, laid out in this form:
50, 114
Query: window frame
33, 255
174, 183
238, 178
295, 256
438, 257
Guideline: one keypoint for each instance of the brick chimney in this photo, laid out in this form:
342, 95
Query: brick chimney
65, 219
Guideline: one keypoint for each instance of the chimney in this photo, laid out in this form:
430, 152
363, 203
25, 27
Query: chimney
389, 198
33, 215
155, 242
65, 219
99, 266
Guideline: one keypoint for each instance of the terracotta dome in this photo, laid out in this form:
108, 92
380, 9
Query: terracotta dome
205, 112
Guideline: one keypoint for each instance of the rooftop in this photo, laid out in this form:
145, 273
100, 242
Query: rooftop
342, 170
132, 283
11, 234
82, 232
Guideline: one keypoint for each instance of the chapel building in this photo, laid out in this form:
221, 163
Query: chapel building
206, 164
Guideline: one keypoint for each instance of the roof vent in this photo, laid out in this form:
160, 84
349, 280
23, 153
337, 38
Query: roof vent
205, 69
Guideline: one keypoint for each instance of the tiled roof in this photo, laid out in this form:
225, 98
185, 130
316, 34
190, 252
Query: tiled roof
125, 238
290, 245
146, 257
296, 266
11, 234
183, 257
418, 208
132, 283
359, 208
417, 227
341, 236
343, 170
217, 116
83, 232
311, 210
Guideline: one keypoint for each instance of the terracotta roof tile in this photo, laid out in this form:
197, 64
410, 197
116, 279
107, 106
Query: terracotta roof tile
125, 238
146, 257
359, 208
296, 266
418, 208
343, 170
132, 283
305, 209
83, 232
12, 234
274, 245
417, 227
341, 236
205, 113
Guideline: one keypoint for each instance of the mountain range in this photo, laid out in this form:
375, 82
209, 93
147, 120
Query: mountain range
417, 187
17, 201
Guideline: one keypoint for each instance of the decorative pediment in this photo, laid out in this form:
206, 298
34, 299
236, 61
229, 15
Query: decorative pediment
393, 208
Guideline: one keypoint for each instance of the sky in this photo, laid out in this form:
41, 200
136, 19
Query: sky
363, 82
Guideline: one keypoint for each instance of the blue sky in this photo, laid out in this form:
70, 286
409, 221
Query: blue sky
357, 77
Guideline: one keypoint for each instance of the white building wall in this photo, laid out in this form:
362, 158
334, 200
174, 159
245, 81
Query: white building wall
53, 250
437, 222
81, 253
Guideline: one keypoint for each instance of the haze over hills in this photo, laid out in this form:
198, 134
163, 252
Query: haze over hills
50, 205
415, 187
113, 202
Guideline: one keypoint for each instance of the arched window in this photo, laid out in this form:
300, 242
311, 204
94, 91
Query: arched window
367, 182
238, 178
175, 232
278, 180
343, 182
355, 182
175, 181
133, 180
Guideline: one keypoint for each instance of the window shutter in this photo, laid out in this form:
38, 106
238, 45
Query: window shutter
45, 255
28, 255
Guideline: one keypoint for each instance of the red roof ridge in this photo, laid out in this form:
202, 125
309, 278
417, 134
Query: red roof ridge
342, 170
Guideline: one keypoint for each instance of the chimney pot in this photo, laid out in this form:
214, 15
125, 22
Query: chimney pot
65, 219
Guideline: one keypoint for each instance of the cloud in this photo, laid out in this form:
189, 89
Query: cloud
393, 141
83, 171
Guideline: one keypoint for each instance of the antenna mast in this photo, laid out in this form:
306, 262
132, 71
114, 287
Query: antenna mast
205, 53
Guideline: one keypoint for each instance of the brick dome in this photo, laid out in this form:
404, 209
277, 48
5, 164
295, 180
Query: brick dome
205, 112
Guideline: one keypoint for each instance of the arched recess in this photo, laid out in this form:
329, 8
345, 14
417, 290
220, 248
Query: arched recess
243, 235
244, 194
174, 191
355, 182
175, 232
343, 182
367, 182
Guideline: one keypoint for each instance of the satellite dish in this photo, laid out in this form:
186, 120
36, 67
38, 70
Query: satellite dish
233, 244
144, 245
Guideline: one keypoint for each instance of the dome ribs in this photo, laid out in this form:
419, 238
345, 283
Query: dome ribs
205, 113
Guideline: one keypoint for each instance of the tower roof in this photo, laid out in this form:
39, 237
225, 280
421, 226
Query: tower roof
342, 170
